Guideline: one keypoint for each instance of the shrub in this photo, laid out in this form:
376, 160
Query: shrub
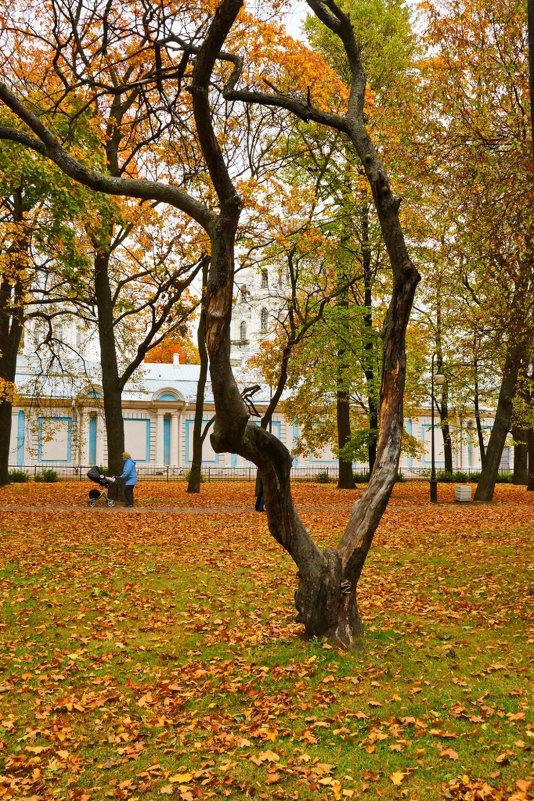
323, 477
18, 476
47, 476
187, 475
363, 477
505, 478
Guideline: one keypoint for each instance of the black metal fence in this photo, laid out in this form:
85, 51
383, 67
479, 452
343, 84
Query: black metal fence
318, 474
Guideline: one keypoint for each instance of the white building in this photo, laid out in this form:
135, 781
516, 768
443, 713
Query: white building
58, 418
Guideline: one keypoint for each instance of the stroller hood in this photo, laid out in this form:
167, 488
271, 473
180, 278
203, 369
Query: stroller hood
93, 474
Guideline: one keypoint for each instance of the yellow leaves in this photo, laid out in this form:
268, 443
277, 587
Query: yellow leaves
397, 777
181, 778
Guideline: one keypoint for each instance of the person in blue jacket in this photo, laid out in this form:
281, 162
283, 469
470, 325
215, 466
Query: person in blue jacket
129, 476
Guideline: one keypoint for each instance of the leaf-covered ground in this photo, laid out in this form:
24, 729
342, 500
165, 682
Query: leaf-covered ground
152, 652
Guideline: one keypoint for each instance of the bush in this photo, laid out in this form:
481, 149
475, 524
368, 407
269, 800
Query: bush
362, 478
187, 475
47, 476
18, 476
505, 478
323, 477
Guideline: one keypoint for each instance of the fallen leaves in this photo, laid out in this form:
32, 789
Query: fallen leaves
158, 657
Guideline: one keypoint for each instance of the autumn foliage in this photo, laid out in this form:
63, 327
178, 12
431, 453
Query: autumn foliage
153, 652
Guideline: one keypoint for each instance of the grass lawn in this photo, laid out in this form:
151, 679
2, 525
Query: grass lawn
146, 653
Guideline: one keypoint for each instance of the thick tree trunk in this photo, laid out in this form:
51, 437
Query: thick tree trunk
111, 384
501, 424
520, 475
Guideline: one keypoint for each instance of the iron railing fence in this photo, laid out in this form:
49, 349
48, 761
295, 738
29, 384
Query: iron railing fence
210, 473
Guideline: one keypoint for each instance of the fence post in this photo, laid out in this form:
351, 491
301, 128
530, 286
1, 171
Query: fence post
167, 473
209, 474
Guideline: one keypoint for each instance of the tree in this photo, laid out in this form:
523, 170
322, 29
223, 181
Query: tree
35, 222
476, 89
326, 597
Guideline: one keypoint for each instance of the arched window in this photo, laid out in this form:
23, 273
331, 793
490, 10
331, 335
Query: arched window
265, 279
264, 321
243, 331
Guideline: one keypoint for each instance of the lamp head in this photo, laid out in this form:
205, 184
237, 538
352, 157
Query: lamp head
439, 380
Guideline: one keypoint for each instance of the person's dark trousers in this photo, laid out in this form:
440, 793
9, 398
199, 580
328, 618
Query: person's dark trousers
128, 495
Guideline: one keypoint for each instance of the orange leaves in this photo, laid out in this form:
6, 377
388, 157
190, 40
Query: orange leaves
213, 694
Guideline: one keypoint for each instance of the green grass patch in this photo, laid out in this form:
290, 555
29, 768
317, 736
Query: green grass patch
148, 659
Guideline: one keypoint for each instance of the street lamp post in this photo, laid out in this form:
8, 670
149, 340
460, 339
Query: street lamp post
438, 380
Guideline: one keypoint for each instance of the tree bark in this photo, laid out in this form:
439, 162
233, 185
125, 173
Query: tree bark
520, 475
11, 328
111, 384
195, 473
530, 446
346, 476
478, 420
501, 424
443, 410
369, 342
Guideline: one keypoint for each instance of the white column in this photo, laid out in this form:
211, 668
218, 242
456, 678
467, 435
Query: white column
159, 439
175, 451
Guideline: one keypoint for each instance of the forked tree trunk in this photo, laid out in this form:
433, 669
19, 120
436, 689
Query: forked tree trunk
326, 595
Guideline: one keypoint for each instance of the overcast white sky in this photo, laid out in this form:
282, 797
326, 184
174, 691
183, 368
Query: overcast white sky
295, 16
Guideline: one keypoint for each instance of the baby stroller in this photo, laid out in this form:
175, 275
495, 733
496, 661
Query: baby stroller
94, 474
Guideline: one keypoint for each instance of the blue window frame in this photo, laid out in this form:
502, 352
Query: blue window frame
40, 443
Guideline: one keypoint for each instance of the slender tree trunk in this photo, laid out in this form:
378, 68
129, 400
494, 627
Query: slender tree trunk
520, 475
530, 447
501, 424
345, 474
478, 420
195, 474
443, 410
11, 317
111, 384
11, 328
369, 346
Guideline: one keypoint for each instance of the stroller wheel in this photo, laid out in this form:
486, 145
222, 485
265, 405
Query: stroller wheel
90, 503
110, 502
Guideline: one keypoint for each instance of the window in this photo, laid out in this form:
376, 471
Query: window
265, 279
264, 321
243, 331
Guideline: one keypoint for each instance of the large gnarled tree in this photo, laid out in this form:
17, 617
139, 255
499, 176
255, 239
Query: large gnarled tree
326, 595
